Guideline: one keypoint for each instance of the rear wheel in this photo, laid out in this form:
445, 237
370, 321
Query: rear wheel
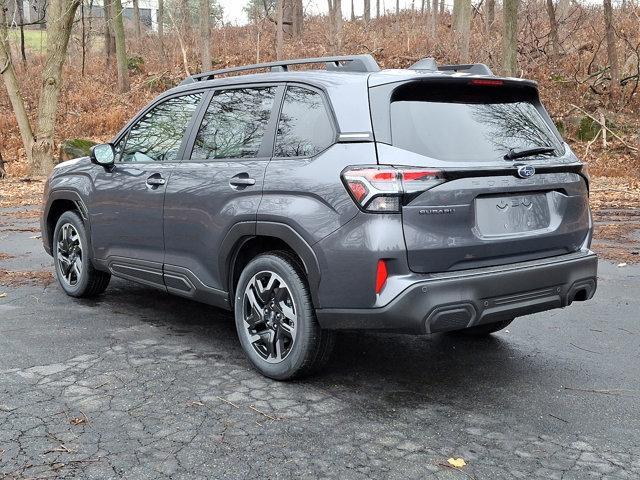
486, 329
276, 321
74, 270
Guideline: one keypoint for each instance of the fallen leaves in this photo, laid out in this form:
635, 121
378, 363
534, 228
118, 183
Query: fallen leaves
457, 462
15, 278
15, 192
83, 419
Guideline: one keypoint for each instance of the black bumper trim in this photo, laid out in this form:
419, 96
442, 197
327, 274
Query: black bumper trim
459, 301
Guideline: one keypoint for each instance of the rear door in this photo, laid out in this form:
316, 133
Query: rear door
491, 209
218, 186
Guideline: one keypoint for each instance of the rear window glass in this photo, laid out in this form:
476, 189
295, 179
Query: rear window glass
465, 126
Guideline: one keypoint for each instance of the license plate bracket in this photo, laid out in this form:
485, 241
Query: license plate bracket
512, 215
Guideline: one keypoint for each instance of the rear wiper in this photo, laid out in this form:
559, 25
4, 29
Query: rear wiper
529, 152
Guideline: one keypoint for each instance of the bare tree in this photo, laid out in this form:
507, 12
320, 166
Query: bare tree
297, 18
367, 11
455, 14
433, 19
553, 29
205, 34
353, 12
377, 8
3, 172
136, 20
12, 85
510, 37
464, 29
279, 27
397, 7
490, 16
160, 25
121, 47
109, 39
612, 52
335, 24
39, 147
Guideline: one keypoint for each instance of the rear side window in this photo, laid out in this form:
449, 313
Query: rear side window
467, 124
157, 136
304, 127
234, 124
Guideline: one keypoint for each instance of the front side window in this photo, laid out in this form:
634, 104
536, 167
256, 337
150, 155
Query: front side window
234, 124
158, 134
304, 128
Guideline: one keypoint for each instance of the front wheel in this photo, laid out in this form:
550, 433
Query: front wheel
74, 270
276, 321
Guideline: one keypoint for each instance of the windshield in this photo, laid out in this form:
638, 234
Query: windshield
461, 131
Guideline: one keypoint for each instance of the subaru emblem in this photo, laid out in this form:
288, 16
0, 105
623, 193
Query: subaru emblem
526, 171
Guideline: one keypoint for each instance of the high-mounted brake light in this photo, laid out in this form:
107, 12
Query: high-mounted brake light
486, 82
380, 189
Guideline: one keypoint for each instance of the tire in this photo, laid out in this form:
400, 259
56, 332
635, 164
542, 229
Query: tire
70, 244
276, 320
486, 329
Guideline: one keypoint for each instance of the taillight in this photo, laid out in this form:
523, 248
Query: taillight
382, 189
381, 276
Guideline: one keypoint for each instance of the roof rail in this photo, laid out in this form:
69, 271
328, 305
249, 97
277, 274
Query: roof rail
346, 63
472, 68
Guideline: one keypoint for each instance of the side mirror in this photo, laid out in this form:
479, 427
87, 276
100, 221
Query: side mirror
103, 155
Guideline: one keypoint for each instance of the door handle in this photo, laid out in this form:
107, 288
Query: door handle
242, 180
155, 180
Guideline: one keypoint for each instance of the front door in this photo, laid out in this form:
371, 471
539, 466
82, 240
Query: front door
127, 201
219, 186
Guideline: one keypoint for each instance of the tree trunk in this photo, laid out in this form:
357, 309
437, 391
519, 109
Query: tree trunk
510, 37
612, 52
397, 7
13, 87
121, 48
553, 30
377, 8
109, 39
367, 11
160, 26
20, 12
441, 6
279, 32
353, 12
490, 17
455, 15
61, 14
136, 20
3, 172
298, 18
464, 25
205, 34
433, 19
563, 9
335, 24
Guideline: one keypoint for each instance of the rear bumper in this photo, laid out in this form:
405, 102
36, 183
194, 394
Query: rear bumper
455, 301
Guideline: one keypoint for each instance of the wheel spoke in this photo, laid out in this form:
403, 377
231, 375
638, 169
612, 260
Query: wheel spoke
69, 254
256, 315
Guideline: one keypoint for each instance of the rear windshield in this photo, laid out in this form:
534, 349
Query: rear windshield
467, 124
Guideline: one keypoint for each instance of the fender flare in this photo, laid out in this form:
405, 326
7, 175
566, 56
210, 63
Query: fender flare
241, 232
62, 194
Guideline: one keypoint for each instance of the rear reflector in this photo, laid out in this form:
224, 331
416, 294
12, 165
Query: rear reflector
381, 276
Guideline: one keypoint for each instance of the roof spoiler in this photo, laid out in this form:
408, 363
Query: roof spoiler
471, 68
346, 63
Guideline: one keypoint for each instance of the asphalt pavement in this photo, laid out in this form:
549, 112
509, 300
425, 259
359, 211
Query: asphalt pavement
138, 384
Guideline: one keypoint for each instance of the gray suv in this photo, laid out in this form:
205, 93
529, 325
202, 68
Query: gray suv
421, 200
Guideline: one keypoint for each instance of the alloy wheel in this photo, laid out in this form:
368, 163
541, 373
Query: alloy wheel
270, 318
69, 254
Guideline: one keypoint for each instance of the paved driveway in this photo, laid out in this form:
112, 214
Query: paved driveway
138, 384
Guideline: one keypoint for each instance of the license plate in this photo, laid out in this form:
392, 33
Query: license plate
512, 214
